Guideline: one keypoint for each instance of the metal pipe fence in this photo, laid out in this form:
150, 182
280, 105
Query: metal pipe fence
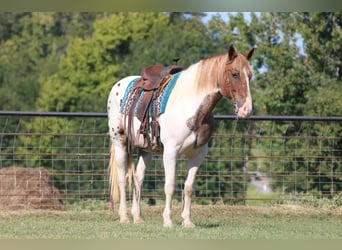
256, 161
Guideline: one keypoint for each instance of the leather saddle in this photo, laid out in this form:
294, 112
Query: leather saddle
153, 76
153, 80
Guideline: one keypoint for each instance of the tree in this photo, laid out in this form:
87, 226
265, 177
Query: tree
92, 64
31, 44
322, 36
181, 37
288, 82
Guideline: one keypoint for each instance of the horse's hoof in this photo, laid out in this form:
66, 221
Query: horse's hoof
188, 224
168, 224
138, 221
124, 221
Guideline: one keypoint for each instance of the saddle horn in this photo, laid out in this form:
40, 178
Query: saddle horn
175, 61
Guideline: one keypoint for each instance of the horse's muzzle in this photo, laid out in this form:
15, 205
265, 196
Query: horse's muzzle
245, 110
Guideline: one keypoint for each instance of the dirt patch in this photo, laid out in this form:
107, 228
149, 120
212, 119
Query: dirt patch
28, 188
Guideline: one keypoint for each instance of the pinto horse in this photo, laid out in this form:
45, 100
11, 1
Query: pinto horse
185, 128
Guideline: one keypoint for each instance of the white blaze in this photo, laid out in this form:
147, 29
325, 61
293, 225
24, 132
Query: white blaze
246, 109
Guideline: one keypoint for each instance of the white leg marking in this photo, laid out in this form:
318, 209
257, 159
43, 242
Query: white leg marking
169, 160
193, 166
143, 161
121, 160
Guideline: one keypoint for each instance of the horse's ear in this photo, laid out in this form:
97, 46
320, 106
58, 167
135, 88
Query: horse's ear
232, 53
249, 54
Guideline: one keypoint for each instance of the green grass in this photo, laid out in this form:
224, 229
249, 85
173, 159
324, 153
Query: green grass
255, 198
213, 222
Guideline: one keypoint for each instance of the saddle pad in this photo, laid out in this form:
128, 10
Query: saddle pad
161, 100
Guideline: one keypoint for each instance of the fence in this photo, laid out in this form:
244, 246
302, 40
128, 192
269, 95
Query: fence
262, 159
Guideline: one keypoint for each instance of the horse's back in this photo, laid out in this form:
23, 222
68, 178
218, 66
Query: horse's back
114, 101
118, 91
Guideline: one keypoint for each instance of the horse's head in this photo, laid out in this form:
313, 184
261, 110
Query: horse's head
235, 84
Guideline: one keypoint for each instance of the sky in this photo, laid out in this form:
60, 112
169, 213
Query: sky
247, 16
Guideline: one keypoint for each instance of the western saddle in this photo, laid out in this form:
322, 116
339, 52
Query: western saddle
154, 79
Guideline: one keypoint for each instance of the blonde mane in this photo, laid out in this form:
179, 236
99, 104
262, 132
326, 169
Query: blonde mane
210, 73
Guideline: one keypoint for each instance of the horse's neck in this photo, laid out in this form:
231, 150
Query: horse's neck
194, 96
204, 111
209, 74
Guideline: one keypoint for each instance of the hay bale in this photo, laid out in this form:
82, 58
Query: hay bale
28, 188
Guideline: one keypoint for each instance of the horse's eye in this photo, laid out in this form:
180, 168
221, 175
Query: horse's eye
236, 74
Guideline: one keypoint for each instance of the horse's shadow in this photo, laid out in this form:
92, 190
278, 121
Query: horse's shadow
207, 225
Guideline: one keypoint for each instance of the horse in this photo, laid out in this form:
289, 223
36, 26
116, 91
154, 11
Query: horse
185, 129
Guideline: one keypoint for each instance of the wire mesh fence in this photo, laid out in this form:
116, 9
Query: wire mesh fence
263, 159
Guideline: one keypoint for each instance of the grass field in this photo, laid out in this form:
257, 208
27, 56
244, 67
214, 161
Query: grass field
213, 222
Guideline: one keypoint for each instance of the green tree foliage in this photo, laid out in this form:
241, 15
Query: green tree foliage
23, 55
31, 44
291, 82
321, 65
177, 36
92, 64
323, 47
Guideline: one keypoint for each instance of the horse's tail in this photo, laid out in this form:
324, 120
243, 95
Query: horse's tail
113, 175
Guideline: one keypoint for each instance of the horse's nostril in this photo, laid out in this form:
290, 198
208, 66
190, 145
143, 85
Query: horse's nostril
236, 108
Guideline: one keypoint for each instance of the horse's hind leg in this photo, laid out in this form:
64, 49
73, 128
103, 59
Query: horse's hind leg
193, 165
143, 161
121, 158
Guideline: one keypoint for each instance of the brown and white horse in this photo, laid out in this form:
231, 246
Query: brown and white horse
185, 128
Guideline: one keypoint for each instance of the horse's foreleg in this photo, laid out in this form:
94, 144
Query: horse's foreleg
143, 161
193, 165
169, 160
